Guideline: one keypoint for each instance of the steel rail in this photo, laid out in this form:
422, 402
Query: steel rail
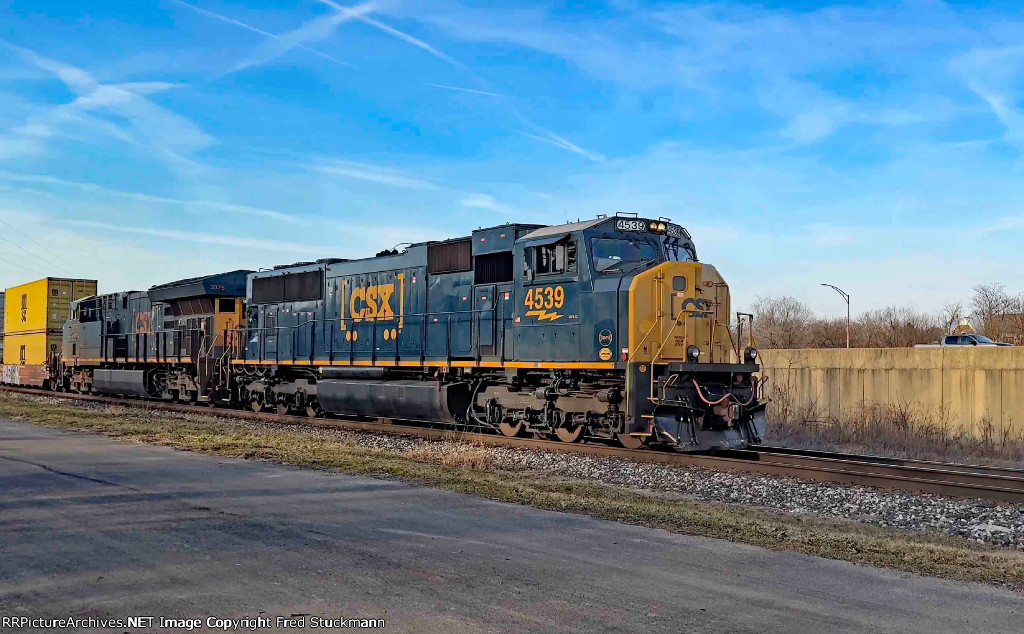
903, 462
954, 480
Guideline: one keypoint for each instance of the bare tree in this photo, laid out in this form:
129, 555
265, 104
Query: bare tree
1011, 323
990, 302
781, 322
951, 314
898, 327
831, 333
785, 322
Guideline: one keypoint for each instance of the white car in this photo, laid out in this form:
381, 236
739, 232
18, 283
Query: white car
957, 341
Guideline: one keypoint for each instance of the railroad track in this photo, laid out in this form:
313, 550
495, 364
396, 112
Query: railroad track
955, 480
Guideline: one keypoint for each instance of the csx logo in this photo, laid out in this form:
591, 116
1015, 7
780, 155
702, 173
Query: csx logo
700, 308
372, 303
697, 304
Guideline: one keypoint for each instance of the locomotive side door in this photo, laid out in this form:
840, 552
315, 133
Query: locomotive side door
504, 313
484, 318
269, 331
332, 314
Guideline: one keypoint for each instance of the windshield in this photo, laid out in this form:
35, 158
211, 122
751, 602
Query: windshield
678, 251
610, 253
982, 339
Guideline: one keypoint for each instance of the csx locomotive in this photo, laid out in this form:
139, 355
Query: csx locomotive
603, 329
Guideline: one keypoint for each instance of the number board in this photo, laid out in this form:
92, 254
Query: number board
627, 224
675, 231
548, 304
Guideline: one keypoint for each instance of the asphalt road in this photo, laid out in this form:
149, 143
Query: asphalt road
92, 526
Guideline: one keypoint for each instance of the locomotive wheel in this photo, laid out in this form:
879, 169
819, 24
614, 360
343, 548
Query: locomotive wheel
570, 434
256, 406
313, 409
282, 409
511, 430
632, 442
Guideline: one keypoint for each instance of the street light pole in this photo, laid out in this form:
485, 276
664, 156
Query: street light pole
846, 296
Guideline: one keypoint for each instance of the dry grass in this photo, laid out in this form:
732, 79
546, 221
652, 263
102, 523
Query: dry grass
903, 430
451, 455
466, 470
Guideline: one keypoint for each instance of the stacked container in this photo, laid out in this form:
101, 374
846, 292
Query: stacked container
1, 327
33, 316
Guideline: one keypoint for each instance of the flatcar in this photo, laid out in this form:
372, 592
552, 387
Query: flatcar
608, 329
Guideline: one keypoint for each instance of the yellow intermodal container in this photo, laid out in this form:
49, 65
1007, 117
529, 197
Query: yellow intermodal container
30, 349
42, 307
1, 325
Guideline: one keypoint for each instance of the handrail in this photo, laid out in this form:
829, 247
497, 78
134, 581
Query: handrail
658, 322
265, 332
194, 338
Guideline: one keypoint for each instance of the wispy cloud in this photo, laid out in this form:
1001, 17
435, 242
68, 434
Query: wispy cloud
312, 31
734, 57
486, 201
402, 179
546, 136
354, 13
280, 44
119, 111
540, 134
375, 174
469, 90
162, 200
994, 74
206, 238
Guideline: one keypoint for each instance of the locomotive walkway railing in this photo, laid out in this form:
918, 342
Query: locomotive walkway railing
267, 340
180, 345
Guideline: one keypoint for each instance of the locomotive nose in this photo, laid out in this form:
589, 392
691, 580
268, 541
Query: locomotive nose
667, 315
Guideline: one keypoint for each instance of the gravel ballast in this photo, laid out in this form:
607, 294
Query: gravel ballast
977, 520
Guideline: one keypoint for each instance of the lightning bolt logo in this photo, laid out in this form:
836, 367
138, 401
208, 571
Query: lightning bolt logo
543, 315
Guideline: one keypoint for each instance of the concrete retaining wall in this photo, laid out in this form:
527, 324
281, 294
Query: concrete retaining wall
966, 384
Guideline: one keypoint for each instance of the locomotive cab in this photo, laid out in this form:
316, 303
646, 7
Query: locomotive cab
628, 296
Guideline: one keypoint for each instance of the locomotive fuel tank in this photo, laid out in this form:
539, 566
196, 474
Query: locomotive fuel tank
400, 399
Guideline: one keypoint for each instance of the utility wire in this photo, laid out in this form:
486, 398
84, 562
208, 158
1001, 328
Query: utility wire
29, 238
43, 261
19, 265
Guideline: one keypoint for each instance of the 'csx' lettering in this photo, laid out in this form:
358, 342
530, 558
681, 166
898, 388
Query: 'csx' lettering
371, 303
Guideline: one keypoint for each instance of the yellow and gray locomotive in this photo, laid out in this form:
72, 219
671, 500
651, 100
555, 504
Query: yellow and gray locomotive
603, 329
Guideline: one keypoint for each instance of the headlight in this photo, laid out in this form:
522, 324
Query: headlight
693, 353
654, 227
750, 354
662, 227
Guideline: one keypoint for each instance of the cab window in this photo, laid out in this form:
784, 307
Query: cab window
676, 251
552, 259
611, 253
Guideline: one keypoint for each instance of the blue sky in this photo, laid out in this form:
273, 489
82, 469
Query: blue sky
873, 146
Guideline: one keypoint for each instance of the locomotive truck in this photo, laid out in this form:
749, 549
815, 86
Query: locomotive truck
603, 329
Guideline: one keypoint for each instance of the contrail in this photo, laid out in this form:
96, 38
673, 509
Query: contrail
253, 29
469, 90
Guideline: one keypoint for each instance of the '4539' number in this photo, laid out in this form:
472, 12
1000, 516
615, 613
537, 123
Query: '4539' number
545, 297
